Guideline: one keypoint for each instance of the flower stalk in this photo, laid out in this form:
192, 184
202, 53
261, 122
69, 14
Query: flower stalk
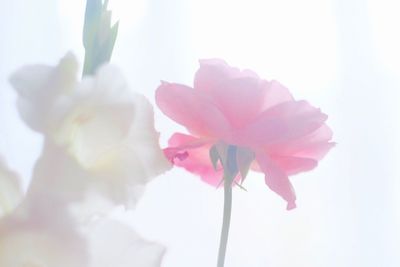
225, 222
99, 35
228, 156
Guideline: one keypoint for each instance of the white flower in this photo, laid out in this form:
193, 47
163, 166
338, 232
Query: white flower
10, 189
100, 149
105, 130
113, 244
40, 234
39, 87
36, 232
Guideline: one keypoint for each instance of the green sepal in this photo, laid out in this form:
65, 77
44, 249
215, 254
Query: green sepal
241, 186
234, 160
222, 149
231, 168
244, 158
214, 156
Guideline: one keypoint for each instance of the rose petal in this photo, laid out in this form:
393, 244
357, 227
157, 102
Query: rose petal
275, 93
231, 89
314, 145
276, 179
191, 108
198, 159
231, 98
294, 165
214, 71
228, 87
281, 123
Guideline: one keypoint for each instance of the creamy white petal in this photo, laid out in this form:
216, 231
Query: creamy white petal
39, 86
99, 135
110, 132
10, 189
40, 234
114, 244
100, 150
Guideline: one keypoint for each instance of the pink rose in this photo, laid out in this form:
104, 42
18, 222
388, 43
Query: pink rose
270, 131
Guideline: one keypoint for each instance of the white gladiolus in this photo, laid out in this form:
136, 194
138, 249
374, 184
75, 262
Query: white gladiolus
39, 87
100, 149
99, 136
10, 189
39, 233
36, 232
113, 244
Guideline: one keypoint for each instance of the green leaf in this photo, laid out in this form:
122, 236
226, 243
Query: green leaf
98, 35
105, 5
93, 14
109, 44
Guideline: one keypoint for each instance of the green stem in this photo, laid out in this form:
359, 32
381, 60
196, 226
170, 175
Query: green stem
99, 36
226, 222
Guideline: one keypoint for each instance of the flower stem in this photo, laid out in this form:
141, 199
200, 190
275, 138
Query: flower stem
225, 223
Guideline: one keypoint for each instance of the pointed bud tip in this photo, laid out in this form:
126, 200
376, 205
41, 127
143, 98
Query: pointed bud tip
291, 205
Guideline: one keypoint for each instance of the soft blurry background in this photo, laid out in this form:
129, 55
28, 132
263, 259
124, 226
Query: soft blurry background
341, 55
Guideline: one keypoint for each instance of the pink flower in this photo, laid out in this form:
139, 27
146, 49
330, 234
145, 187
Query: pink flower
271, 131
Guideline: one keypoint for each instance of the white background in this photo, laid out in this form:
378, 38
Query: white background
341, 55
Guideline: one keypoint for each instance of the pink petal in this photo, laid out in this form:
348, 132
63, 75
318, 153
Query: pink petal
240, 95
314, 145
294, 165
231, 90
191, 108
214, 71
198, 159
240, 100
275, 93
276, 179
282, 123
